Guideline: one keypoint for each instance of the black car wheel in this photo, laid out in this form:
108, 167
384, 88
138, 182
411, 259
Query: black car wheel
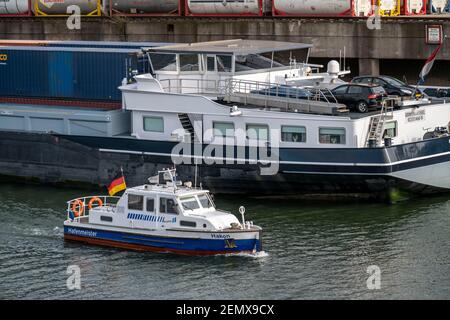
362, 107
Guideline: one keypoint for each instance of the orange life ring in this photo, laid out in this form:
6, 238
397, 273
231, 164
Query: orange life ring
78, 208
95, 200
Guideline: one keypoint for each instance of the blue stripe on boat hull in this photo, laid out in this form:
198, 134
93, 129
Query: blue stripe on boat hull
161, 244
308, 160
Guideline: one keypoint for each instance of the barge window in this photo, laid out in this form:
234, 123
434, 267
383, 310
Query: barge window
154, 124
257, 132
211, 63
189, 62
224, 63
150, 205
332, 135
223, 129
390, 129
189, 203
205, 202
163, 62
293, 134
167, 205
135, 202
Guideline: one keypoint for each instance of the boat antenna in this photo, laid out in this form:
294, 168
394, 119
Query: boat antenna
345, 48
196, 172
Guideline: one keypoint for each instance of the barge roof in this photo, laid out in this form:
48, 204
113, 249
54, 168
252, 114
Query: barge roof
236, 46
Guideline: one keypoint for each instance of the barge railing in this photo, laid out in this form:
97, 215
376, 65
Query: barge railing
260, 93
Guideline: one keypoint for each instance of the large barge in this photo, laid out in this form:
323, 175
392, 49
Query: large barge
227, 95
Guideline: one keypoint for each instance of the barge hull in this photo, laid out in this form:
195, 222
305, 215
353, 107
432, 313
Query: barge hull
60, 160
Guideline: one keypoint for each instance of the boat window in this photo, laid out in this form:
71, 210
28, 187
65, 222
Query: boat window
205, 201
163, 62
189, 62
224, 63
190, 203
332, 135
390, 129
191, 224
154, 124
135, 202
223, 129
293, 134
167, 205
211, 63
257, 132
106, 219
150, 205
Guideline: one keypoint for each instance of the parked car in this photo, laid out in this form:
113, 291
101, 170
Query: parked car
437, 92
359, 97
285, 91
392, 85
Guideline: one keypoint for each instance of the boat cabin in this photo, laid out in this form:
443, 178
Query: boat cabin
206, 65
160, 207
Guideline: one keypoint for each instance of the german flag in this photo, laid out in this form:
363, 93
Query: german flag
117, 185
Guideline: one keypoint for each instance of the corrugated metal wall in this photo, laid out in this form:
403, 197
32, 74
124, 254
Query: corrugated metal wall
67, 73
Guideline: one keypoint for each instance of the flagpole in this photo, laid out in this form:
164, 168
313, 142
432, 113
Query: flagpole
428, 65
123, 175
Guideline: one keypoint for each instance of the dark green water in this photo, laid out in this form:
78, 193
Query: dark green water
313, 251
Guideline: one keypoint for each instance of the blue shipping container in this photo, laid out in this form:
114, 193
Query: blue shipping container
104, 44
67, 73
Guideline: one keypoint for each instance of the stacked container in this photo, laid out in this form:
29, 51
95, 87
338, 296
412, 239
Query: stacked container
59, 8
143, 7
15, 8
322, 8
388, 8
86, 74
438, 6
221, 8
414, 7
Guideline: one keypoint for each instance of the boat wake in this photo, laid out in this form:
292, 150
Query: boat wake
256, 255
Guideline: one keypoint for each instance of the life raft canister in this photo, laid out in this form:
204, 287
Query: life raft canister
78, 208
95, 200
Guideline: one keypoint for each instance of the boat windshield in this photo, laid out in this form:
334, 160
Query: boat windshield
189, 204
205, 201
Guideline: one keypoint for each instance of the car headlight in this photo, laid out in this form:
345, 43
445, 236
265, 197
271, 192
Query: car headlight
406, 91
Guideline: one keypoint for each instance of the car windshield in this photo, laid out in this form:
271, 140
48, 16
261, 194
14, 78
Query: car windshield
393, 81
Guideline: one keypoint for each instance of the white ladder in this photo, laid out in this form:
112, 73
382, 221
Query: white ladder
376, 126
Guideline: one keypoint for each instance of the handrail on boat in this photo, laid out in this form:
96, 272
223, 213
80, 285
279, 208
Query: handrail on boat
107, 201
232, 86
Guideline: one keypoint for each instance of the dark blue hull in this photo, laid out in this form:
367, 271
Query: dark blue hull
84, 161
177, 245
301, 170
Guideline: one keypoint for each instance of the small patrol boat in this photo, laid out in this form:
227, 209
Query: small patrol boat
162, 216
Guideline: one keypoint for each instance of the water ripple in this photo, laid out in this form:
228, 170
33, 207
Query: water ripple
311, 251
